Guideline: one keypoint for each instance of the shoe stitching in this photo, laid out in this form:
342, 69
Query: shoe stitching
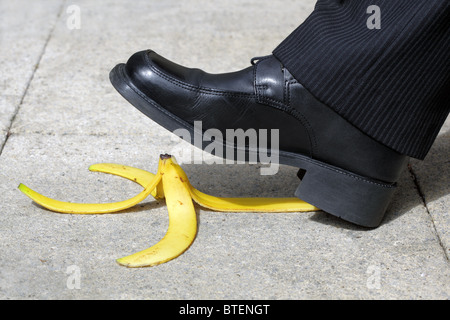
285, 107
193, 88
336, 170
147, 99
309, 128
357, 178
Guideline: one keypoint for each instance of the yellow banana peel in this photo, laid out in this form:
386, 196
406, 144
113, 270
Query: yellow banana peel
172, 184
182, 222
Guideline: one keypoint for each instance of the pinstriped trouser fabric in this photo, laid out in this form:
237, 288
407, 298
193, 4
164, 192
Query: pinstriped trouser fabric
393, 83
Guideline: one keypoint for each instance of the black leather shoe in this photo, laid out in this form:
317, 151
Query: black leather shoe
344, 172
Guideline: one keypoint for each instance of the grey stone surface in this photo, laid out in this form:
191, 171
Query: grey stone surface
25, 27
71, 92
244, 256
433, 180
71, 117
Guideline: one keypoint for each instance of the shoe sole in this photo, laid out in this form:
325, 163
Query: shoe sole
351, 197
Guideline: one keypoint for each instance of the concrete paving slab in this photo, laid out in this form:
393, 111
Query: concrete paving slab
433, 181
24, 30
235, 256
71, 117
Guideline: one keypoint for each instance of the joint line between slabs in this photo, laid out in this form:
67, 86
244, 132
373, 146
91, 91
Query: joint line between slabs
36, 66
424, 202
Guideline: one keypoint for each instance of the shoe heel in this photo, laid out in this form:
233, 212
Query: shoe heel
354, 198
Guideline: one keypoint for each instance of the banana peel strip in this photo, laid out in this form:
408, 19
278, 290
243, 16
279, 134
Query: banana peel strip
143, 178
92, 208
182, 228
170, 182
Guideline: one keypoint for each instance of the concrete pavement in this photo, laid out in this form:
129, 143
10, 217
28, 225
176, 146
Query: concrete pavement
59, 114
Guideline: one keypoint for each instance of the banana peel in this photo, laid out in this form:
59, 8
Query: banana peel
172, 184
